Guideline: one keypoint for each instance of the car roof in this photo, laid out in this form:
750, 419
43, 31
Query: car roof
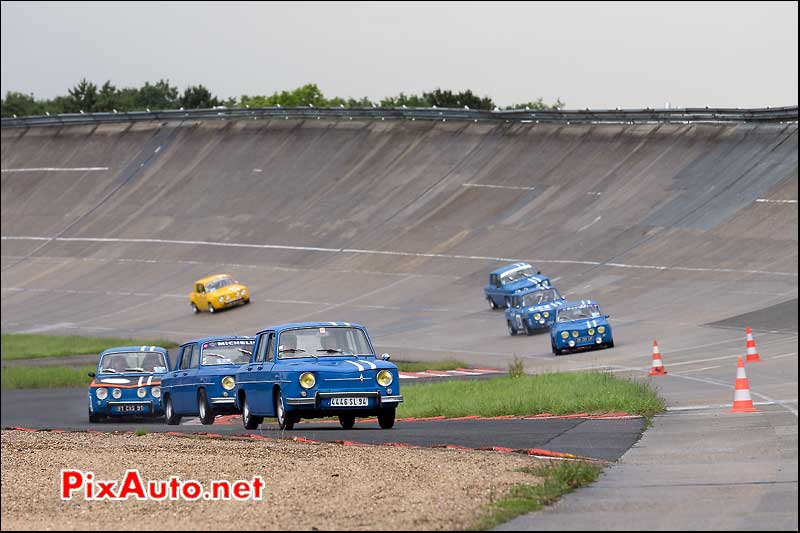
510, 268
213, 277
299, 325
128, 349
575, 304
221, 338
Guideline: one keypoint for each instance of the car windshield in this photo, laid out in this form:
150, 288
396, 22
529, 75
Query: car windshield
229, 352
141, 362
218, 284
323, 342
540, 297
517, 275
578, 313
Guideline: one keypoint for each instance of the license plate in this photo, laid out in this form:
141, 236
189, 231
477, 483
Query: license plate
585, 339
350, 402
136, 408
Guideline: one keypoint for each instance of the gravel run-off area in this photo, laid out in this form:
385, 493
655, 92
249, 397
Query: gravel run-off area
323, 486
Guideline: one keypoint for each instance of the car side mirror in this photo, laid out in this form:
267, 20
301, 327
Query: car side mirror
385, 357
92, 374
538, 272
608, 316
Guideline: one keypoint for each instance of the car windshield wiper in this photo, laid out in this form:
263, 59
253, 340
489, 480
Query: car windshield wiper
108, 371
329, 350
244, 351
134, 369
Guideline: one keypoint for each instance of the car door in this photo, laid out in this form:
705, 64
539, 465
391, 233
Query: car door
258, 391
200, 297
180, 393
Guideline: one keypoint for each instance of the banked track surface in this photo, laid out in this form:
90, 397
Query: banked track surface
392, 224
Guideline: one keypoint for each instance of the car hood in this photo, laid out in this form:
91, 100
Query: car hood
128, 379
336, 365
229, 290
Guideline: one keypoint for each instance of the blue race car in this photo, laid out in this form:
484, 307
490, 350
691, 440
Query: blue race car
314, 370
580, 325
509, 280
533, 310
202, 383
127, 382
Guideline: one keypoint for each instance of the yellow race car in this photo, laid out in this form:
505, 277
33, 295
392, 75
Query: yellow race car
217, 292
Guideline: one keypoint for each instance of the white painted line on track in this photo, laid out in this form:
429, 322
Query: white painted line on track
770, 201
592, 223
699, 369
508, 187
395, 253
55, 169
724, 405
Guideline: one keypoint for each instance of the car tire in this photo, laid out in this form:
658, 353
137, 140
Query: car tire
610, 344
173, 419
492, 305
195, 310
211, 308
205, 411
94, 418
347, 421
507, 302
249, 420
285, 422
386, 418
511, 329
529, 330
247, 301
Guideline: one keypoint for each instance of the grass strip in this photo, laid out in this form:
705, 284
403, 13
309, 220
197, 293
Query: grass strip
419, 366
557, 479
45, 377
33, 346
556, 393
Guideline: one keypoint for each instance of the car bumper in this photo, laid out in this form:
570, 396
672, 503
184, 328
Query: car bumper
129, 408
376, 400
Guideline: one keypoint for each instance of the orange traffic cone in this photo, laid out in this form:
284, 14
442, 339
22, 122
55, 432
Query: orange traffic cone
742, 403
658, 367
752, 354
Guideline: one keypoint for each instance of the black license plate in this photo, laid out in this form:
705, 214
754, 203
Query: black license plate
132, 408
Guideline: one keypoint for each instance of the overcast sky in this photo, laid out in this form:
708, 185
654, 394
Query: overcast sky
588, 54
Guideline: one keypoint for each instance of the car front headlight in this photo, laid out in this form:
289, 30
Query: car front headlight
385, 378
564, 334
574, 333
156, 392
546, 314
101, 393
221, 299
537, 316
307, 380
591, 331
601, 329
228, 383
116, 393
141, 392
571, 344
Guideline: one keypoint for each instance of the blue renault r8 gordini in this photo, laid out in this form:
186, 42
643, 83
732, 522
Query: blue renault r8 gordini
509, 280
313, 370
533, 310
202, 383
580, 324
127, 382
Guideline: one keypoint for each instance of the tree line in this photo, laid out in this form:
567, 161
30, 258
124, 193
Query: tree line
86, 97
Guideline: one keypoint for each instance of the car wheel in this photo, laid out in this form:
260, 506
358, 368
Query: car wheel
492, 305
610, 344
511, 329
211, 308
173, 419
285, 422
386, 418
508, 302
94, 418
247, 301
347, 421
195, 310
204, 410
249, 421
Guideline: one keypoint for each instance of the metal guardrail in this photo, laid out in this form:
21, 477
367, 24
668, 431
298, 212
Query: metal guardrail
578, 116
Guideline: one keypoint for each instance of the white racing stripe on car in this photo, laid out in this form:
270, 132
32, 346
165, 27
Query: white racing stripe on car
150, 380
142, 348
141, 378
372, 365
358, 366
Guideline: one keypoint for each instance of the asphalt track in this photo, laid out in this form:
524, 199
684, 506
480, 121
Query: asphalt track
671, 227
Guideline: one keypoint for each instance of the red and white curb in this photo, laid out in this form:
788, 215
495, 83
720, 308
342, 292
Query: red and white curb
450, 373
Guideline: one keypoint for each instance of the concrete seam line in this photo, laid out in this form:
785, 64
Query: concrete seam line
396, 253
